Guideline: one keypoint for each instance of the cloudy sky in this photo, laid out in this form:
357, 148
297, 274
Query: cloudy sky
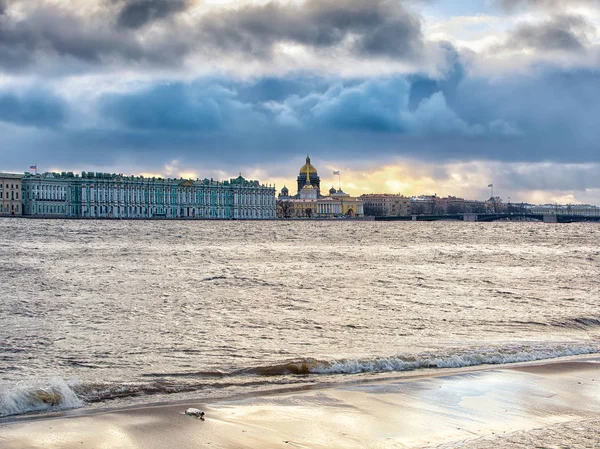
402, 96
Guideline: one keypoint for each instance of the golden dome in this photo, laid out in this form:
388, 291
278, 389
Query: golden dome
311, 169
308, 167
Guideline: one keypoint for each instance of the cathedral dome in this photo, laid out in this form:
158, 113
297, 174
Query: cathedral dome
308, 167
332, 191
311, 169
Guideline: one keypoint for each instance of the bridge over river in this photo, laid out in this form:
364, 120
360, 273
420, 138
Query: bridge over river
495, 217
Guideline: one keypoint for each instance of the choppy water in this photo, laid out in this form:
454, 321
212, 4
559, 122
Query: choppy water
112, 313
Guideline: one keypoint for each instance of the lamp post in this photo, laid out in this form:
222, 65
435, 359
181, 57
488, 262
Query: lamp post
491, 186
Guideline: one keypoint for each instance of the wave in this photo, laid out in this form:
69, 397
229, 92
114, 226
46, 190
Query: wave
580, 323
452, 359
299, 367
213, 278
57, 394
26, 398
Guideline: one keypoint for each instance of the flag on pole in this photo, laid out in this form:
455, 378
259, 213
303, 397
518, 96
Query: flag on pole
33, 167
490, 185
336, 172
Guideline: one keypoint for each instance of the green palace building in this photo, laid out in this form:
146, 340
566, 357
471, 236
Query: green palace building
105, 195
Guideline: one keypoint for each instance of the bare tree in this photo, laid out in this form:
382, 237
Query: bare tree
285, 209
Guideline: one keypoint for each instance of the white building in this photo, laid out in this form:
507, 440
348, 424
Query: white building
580, 210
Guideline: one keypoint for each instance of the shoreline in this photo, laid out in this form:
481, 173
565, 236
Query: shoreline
357, 379
445, 406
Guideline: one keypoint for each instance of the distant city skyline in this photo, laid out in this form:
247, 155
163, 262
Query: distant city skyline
412, 97
354, 182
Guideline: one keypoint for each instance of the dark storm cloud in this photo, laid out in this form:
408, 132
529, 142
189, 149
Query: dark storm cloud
554, 111
53, 36
564, 32
36, 108
137, 13
277, 89
379, 27
371, 105
423, 87
197, 107
550, 115
51, 33
548, 177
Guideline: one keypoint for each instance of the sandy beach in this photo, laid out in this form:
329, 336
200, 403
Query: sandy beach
550, 404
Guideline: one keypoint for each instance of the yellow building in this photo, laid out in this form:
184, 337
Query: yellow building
306, 208
386, 204
339, 203
11, 195
309, 203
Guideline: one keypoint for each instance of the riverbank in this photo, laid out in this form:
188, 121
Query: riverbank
551, 404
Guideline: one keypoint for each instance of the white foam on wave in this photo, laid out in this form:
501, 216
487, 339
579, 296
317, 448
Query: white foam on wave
452, 359
54, 394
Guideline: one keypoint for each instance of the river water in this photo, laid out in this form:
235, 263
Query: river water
114, 313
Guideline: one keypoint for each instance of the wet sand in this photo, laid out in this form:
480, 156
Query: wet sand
553, 404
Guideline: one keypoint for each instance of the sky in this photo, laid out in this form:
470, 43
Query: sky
402, 96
